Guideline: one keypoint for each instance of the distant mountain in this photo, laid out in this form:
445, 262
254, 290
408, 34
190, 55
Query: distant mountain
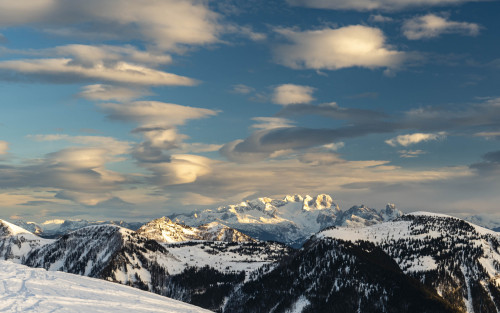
291, 220
35, 290
489, 221
56, 228
164, 230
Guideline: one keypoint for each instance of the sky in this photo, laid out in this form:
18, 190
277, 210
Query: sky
126, 109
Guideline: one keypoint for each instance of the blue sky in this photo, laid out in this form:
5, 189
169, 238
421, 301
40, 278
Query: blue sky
135, 109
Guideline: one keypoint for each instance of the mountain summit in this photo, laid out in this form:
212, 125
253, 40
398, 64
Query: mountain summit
291, 220
165, 230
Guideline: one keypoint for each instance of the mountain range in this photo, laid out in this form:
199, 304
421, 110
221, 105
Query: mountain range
291, 220
358, 260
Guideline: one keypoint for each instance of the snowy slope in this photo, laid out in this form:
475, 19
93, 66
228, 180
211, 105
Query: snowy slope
291, 220
165, 230
459, 259
223, 256
338, 277
16, 242
35, 290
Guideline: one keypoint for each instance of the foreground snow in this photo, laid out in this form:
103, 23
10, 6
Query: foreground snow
23, 289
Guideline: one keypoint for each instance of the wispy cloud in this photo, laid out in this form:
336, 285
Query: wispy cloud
411, 139
490, 164
102, 92
432, 25
4, 147
64, 70
410, 153
154, 113
369, 5
242, 89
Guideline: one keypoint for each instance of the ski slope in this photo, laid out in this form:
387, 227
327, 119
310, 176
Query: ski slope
23, 289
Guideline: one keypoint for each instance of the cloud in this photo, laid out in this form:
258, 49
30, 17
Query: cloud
83, 198
292, 94
490, 165
488, 135
410, 153
90, 56
334, 146
154, 113
333, 49
102, 92
109, 143
64, 70
167, 25
411, 139
431, 26
198, 147
76, 170
431, 123
242, 89
158, 121
4, 147
368, 5
181, 169
265, 143
481, 115
377, 18
320, 159
245, 31
271, 122
155, 141
332, 110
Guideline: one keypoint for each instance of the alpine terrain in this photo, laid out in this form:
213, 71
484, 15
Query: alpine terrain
362, 260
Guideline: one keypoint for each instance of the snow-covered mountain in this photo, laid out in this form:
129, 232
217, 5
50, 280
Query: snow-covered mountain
164, 230
56, 228
459, 260
490, 221
420, 262
291, 220
24, 289
339, 277
199, 272
16, 242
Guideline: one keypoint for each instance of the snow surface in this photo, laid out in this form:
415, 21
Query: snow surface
222, 257
24, 289
384, 232
299, 306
